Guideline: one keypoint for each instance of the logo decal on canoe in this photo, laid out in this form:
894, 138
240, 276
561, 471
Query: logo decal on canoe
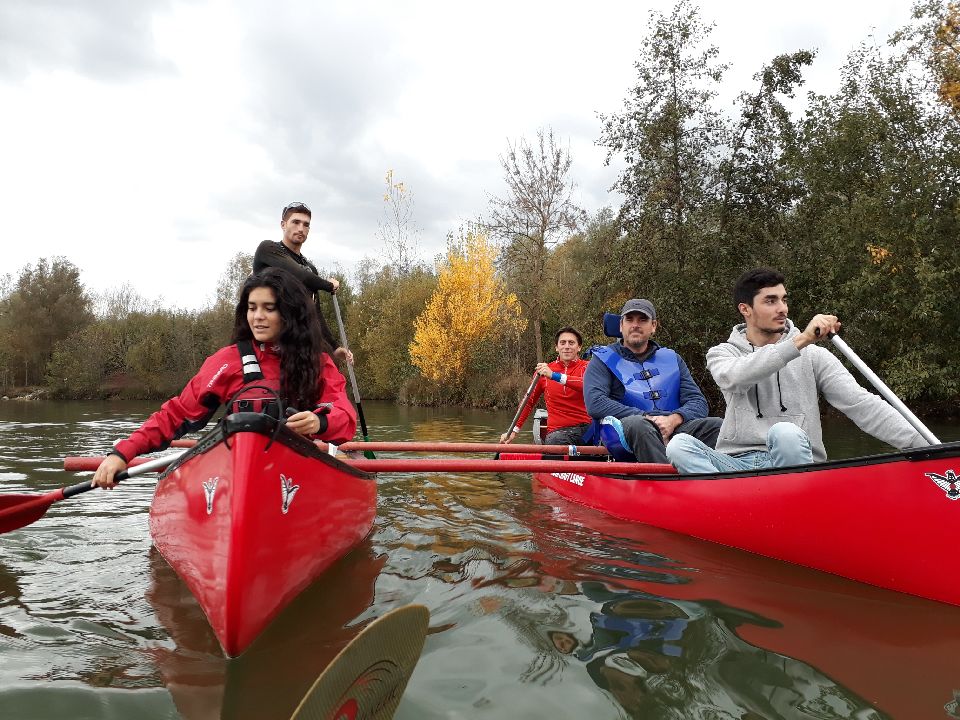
288, 490
209, 489
947, 482
570, 478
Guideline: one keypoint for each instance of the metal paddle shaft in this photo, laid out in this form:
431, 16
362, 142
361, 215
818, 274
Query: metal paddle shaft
353, 377
886, 392
19, 510
526, 396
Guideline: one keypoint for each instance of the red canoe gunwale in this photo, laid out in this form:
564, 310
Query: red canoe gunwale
883, 520
252, 515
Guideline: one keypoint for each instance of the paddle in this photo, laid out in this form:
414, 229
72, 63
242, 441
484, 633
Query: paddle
353, 378
881, 386
526, 396
516, 415
17, 510
367, 678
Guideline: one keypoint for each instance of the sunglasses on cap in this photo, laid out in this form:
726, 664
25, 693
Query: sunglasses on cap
295, 207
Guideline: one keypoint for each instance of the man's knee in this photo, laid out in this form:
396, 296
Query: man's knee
681, 445
785, 433
637, 426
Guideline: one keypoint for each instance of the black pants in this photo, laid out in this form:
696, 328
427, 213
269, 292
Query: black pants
571, 435
647, 444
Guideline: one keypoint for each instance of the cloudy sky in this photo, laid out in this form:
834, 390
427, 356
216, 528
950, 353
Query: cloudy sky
148, 141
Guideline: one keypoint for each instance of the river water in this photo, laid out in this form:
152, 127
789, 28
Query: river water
539, 607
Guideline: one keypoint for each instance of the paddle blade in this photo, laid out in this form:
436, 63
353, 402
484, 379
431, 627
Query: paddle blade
19, 510
368, 677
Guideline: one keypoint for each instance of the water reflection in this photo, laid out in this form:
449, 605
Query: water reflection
748, 630
678, 659
271, 677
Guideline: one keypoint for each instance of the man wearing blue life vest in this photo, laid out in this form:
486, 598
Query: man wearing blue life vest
642, 393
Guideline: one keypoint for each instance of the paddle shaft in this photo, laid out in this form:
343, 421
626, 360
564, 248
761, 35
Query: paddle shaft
526, 396
138, 466
353, 377
886, 392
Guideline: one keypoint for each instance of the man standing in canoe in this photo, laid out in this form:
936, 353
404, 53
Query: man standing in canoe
771, 375
561, 383
287, 254
642, 393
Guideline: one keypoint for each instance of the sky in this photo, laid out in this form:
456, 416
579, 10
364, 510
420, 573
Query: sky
148, 142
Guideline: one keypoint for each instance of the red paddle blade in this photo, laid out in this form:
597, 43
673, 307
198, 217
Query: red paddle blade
19, 510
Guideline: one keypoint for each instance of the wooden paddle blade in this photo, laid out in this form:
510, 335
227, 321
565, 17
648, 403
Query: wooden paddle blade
366, 680
19, 510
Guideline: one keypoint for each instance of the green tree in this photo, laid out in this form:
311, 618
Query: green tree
882, 168
669, 135
537, 212
381, 323
47, 303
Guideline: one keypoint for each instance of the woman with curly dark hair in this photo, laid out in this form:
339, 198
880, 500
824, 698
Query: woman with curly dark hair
276, 343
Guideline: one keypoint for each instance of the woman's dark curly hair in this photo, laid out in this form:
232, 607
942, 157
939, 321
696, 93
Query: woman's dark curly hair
300, 343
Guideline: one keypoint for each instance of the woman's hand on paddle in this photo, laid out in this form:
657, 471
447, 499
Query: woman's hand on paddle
103, 477
304, 422
507, 437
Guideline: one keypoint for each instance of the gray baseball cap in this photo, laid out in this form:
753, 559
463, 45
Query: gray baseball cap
639, 305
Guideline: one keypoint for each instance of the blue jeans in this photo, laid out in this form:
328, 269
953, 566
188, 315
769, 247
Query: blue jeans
787, 445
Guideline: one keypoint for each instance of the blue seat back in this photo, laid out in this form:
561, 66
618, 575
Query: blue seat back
611, 325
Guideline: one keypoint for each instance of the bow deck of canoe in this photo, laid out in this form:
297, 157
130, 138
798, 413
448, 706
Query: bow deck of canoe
252, 515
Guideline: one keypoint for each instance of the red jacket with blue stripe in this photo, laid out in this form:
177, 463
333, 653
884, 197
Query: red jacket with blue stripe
564, 401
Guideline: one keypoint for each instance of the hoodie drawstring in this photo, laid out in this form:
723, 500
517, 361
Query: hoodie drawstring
756, 391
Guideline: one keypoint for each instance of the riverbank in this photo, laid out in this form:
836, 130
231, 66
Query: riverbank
504, 396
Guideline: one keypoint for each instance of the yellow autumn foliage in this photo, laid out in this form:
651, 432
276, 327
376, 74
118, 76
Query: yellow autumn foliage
946, 52
469, 306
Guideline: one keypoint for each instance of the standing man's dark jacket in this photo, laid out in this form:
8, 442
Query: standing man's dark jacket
271, 253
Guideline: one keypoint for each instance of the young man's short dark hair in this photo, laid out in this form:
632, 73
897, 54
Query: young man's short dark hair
568, 329
295, 207
752, 282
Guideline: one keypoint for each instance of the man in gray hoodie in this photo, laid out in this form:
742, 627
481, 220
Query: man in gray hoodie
771, 375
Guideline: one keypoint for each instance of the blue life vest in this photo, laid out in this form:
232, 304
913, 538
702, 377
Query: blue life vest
651, 385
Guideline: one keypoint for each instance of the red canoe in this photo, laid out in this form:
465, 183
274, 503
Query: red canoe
888, 520
251, 516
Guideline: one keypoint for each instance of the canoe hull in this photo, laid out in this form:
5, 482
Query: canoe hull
882, 520
248, 522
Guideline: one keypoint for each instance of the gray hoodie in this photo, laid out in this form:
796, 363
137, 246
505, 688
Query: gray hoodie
778, 383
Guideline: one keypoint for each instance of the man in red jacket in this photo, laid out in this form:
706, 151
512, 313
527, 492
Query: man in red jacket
562, 383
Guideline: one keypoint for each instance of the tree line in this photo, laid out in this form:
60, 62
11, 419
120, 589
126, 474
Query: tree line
855, 196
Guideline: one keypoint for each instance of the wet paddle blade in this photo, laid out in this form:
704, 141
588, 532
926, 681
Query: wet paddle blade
19, 510
366, 680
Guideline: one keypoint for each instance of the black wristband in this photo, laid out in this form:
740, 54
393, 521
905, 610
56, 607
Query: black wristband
322, 417
119, 455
